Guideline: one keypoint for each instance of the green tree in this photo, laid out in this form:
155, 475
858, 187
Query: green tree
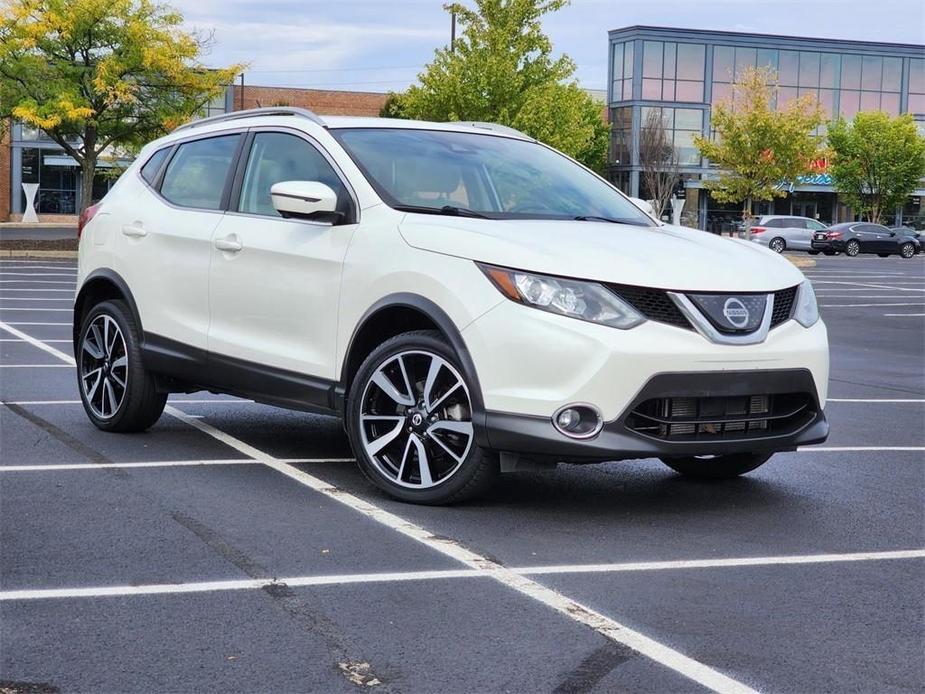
877, 160
95, 74
502, 70
759, 147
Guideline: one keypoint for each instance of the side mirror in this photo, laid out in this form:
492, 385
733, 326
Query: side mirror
644, 206
892, 233
305, 200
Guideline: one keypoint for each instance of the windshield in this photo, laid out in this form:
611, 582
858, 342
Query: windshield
496, 177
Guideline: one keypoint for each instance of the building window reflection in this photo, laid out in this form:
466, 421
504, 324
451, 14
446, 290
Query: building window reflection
672, 71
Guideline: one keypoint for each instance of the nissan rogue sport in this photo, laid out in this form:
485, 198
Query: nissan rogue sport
466, 298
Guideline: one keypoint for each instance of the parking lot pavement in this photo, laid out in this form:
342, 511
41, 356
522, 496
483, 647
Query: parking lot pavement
235, 547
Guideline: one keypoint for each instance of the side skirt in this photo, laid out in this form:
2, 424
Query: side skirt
182, 368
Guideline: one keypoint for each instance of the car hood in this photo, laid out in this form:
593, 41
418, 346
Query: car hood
667, 257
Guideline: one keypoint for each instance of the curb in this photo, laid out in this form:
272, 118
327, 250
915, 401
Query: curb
37, 254
801, 262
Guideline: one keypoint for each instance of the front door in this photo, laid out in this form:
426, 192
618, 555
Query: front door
275, 282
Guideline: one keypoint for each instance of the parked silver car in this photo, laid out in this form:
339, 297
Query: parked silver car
783, 232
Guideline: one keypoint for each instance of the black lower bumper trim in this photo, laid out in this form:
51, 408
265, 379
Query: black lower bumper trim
537, 437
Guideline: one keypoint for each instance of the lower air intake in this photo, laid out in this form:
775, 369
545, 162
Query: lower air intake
721, 418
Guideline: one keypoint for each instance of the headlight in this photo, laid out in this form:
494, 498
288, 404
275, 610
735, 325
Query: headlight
807, 312
588, 301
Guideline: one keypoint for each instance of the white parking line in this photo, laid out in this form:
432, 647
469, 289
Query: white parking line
847, 449
33, 298
877, 400
4, 290
202, 401
446, 574
158, 464
38, 274
40, 267
873, 286
70, 325
72, 283
36, 366
607, 627
58, 310
903, 315
867, 305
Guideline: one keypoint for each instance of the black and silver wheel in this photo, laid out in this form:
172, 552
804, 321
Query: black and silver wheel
907, 250
410, 423
852, 248
116, 391
777, 244
717, 467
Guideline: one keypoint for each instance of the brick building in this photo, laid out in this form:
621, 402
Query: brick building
27, 155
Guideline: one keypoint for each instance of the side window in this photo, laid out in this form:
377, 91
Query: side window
276, 157
815, 226
796, 223
153, 165
196, 174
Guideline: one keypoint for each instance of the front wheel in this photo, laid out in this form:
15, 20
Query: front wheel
717, 467
118, 394
777, 244
907, 250
852, 248
409, 419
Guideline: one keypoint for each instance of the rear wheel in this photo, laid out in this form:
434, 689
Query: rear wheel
852, 248
118, 394
777, 244
907, 250
717, 467
409, 419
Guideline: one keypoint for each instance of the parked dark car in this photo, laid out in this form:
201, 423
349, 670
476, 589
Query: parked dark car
852, 238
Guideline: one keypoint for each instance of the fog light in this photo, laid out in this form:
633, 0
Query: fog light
569, 419
578, 421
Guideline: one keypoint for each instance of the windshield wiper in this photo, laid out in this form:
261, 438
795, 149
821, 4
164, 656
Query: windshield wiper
595, 218
448, 210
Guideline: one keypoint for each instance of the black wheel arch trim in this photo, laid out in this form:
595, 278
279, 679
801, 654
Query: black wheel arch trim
446, 325
114, 278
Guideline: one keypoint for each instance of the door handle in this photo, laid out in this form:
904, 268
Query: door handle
134, 231
228, 244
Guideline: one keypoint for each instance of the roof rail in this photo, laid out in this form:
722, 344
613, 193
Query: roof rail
255, 113
507, 130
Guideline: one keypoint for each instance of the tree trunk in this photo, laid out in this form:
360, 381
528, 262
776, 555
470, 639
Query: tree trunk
87, 170
747, 217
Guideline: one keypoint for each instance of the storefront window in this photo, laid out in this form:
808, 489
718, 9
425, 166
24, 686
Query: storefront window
56, 174
683, 125
621, 135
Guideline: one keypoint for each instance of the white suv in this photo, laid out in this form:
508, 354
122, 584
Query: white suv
467, 299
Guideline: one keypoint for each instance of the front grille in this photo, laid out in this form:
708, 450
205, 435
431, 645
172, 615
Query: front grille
783, 305
686, 418
654, 304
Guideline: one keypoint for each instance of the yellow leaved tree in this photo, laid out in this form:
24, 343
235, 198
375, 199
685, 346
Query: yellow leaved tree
95, 74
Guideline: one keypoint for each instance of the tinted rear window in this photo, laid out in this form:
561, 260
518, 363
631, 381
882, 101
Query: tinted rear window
196, 174
153, 165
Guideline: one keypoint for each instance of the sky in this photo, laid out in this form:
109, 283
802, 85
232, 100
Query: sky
376, 45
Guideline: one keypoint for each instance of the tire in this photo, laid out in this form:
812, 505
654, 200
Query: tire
814, 252
777, 244
907, 250
389, 430
136, 404
852, 248
721, 467
884, 255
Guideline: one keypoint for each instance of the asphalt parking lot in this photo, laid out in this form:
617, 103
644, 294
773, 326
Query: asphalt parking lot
235, 547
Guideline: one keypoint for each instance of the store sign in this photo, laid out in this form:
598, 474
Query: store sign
818, 176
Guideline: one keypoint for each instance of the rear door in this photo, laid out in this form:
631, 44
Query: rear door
796, 234
275, 282
164, 243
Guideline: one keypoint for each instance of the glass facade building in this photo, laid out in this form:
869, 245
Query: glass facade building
681, 73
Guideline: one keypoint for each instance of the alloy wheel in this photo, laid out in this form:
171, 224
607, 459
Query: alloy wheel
907, 250
416, 419
777, 245
103, 366
852, 248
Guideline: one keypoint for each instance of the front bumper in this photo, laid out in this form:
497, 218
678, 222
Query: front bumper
621, 438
